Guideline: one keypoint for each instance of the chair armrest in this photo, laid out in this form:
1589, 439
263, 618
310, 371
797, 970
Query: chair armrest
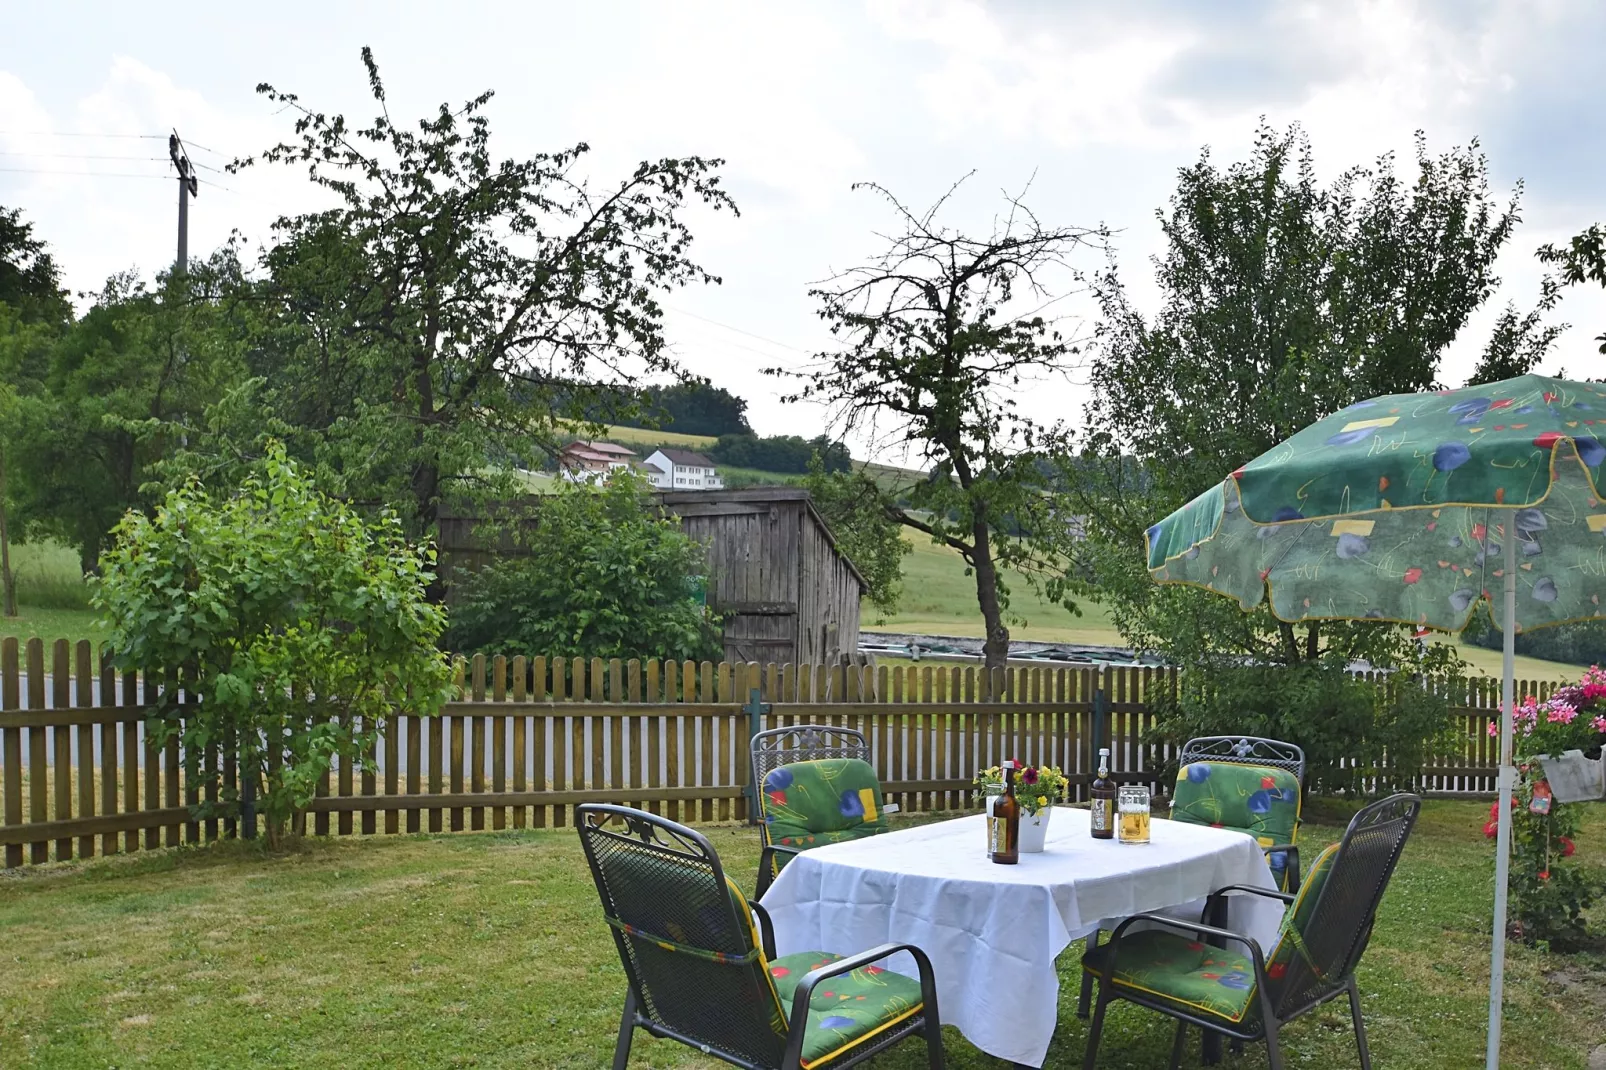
805, 991
766, 928
1269, 893
1198, 928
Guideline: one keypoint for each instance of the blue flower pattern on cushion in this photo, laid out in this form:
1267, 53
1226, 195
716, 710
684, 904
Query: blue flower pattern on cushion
1199, 772
1260, 802
851, 805
778, 780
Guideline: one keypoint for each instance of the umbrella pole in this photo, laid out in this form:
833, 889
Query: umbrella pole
1508, 776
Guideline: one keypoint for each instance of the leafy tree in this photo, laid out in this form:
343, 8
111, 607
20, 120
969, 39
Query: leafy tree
450, 308
854, 507
604, 575
120, 388
299, 624
693, 407
1281, 301
1583, 260
934, 341
787, 454
33, 306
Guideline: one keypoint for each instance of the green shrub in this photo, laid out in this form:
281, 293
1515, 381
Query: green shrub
297, 624
1351, 730
601, 575
48, 576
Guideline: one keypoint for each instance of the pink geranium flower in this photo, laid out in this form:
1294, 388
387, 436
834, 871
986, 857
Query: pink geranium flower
1561, 713
1599, 724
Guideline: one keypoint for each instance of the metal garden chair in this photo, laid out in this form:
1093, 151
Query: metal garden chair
1190, 972
701, 965
814, 786
1249, 784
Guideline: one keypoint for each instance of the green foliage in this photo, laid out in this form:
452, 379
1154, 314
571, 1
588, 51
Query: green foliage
786, 454
854, 507
298, 625
935, 336
30, 281
692, 407
116, 392
604, 577
1550, 895
1581, 643
1282, 301
450, 308
1345, 725
1582, 260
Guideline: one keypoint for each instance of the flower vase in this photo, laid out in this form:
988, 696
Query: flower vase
1034, 830
1574, 778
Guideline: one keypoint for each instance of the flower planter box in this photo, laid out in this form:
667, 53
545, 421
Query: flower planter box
1574, 778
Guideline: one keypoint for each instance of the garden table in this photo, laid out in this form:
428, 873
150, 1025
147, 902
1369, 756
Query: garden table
993, 932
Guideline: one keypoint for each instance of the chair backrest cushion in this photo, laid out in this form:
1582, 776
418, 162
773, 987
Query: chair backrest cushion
691, 945
833, 798
1261, 800
1291, 942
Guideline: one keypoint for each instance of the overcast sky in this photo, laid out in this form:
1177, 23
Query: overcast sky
1101, 103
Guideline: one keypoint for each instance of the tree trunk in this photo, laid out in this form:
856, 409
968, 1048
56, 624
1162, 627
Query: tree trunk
996, 648
8, 582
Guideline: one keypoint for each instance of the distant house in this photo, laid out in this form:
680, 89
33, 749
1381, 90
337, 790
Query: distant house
682, 470
590, 462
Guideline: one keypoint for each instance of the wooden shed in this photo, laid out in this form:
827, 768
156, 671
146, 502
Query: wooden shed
787, 593
776, 576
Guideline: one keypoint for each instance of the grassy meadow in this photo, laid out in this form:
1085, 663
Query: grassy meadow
489, 950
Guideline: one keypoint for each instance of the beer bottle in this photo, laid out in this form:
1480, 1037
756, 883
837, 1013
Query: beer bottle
1006, 822
1103, 792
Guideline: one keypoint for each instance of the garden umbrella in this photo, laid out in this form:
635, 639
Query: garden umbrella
1413, 508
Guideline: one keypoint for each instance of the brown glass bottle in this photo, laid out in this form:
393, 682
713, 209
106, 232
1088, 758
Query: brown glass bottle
1006, 822
1103, 793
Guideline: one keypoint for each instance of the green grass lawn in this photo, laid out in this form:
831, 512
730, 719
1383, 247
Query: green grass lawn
489, 950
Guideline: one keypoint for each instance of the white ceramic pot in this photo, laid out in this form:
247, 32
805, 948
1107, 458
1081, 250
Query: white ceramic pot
1574, 778
1034, 830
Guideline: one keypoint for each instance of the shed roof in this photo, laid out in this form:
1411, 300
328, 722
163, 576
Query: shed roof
702, 499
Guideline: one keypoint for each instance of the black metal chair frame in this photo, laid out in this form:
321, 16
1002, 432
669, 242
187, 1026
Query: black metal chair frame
668, 836
775, 747
1278, 1002
1231, 750
1252, 750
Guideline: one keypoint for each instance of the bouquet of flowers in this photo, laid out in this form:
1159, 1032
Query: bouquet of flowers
1572, 718
1036, 787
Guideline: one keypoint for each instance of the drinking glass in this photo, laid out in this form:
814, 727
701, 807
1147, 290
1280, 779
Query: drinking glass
1132, 805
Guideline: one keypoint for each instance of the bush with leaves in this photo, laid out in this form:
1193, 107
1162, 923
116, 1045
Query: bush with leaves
1356, 734
297, 624
604, 575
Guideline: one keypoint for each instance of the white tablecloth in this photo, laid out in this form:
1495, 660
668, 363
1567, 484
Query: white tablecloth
993, 932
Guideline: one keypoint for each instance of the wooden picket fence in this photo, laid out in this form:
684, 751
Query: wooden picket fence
530, 738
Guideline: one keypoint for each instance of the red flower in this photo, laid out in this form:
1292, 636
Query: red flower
1194, 945
1567, 847
1276, 970
873, 970
1211, 976
1492, 829
1547, 440
778, 798
1030, 776
1267, 782
1412, 575
1502, 403
1544, 874
780, 971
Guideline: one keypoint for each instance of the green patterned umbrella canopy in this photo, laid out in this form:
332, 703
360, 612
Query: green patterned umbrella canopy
1396, 509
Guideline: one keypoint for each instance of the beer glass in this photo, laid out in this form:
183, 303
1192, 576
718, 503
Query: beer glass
1132, 806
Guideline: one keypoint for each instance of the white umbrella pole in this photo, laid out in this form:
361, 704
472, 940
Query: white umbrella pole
1508, 777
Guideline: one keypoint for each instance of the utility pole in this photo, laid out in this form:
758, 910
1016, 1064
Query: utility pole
187, 187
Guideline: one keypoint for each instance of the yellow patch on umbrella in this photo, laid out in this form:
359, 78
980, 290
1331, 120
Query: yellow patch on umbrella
1381, 421
1362, 528
1596, 522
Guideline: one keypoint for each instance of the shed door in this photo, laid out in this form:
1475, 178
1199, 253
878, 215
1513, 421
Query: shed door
761, 632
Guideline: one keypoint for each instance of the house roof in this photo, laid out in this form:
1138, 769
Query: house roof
652, 467
599, 448
687, 459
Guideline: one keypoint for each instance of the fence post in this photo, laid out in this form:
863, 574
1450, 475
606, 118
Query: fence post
756, 709
248, 801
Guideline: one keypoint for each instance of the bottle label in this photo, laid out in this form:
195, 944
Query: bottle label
1101, 814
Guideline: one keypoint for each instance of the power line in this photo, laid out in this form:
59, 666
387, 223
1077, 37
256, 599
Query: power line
738, 330
91, 174
80, 156
54, 133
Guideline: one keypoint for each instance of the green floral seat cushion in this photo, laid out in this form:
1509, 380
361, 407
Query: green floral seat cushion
1260, 800
844, 1011
1168, 966
1163, 964
809, 804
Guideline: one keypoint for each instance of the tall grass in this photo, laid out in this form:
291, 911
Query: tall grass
48, 576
